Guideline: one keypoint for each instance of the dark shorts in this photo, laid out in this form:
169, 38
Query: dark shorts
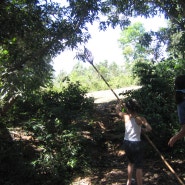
134, 152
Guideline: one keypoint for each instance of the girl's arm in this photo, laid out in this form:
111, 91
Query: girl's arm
147, 126
119, 108
178, 136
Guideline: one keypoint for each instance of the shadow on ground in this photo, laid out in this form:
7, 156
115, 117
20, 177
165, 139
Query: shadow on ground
110, 163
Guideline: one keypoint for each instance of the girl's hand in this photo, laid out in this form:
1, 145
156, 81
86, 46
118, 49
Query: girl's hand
172, 141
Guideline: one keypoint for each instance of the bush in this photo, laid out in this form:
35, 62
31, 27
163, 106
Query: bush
51, 117
157, 99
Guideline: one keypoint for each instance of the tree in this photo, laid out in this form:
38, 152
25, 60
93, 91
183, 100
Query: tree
138, 44
174, 10
129, 40
33, 32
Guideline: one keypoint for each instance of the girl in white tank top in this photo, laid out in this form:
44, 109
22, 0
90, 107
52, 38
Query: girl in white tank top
132, 140
132, 130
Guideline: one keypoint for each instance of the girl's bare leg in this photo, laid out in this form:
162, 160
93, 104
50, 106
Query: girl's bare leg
130, 169
139, 176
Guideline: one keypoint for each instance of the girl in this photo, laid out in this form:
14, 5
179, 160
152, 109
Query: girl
132, 141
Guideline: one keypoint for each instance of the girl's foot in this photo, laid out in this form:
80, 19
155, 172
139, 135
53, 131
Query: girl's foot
132, 182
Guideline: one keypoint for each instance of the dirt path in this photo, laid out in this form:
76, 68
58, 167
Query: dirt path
107, 95
111, 163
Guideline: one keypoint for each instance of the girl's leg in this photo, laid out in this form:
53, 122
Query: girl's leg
139, 176
130, 169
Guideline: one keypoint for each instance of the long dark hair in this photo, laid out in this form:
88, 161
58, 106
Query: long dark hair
133, 105
179, 85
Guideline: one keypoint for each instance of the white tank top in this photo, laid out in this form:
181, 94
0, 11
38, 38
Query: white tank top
132, 130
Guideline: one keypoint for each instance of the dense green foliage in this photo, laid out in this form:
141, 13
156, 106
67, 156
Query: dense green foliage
52, 119
156, 98
117, 76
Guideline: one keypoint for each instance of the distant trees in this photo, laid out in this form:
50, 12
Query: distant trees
116, 75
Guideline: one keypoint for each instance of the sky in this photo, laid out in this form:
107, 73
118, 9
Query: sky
104, 45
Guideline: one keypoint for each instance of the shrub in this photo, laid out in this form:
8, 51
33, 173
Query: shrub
51, 117
157, 99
